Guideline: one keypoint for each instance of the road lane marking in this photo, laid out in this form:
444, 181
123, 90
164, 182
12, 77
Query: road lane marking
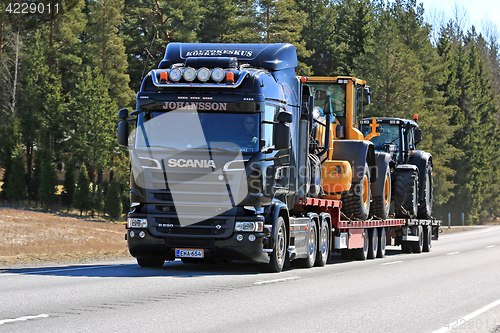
392, 262
5, 321
277, 280
465, 319
490, 246
64, 270
451, 253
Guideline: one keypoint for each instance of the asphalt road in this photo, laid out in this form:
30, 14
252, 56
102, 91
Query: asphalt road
454, 288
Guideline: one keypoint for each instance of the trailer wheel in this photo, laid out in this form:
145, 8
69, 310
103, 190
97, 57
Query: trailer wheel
417, 247
312, 248
278, 256
382, 242
362, 253
373, 243
406, 193
425, 205
356, 201
427, 238
151, 262
324, 244
381, 202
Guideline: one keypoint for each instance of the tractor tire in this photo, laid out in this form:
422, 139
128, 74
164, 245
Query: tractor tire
381, 203
406, 194
356, 201
425, 205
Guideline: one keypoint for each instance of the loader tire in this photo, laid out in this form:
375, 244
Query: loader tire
356, 202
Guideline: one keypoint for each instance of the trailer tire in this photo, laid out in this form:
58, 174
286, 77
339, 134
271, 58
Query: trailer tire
356, 201
324, 244
362, 253
382, 243
425, 205
151, 262
406, 193
381, 203
373, 244
417, 247
278, 256
427, 238
312, 248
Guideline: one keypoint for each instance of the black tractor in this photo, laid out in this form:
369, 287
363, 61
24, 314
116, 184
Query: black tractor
411, 169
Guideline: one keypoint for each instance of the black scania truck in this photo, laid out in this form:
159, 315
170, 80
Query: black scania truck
221, 160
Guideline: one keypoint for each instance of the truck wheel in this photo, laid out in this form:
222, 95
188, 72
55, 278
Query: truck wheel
362, 253
151, 262
356, 202
373, 244
324, 244
425, 205
427, 238
381, 202
417, 247
382, 242
406, 194
278, 256
312, 248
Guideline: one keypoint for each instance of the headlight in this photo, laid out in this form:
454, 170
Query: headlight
249, 226
218, 74
175, 74
189, 74
134, 222
203, 74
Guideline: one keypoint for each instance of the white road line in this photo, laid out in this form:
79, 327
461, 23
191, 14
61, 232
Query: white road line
490, 246
392, 262
465, 319
277, 280
62, 270
5, 321
451, 253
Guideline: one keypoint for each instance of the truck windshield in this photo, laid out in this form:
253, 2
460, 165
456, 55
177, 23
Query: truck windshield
184, 129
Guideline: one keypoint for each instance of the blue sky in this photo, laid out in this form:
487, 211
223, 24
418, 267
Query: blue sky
477, 11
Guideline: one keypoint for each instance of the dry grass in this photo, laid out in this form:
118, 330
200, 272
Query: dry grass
29, 236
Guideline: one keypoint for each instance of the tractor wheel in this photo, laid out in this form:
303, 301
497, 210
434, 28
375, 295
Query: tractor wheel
425, 205
406, 193
381, 202
356, 202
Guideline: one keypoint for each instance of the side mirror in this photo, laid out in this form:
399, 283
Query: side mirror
285, 117
368, 95
123, 114
123, 131
418, 135
340, 131
281, 136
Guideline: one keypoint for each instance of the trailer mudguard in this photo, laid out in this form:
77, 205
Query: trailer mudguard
420, 158
359, 153
383, 160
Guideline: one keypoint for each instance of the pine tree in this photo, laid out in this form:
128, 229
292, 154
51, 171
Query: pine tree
15, 185
82, 200
98, 200
113, 204
47, 192
69, 186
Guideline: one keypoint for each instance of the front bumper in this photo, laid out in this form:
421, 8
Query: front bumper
222, 249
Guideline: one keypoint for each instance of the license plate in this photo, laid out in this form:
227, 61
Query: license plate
188, 253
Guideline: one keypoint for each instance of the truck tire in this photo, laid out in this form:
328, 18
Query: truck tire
425, 205
381, 202
406, 193
324, 244
362, 253
356, 201
151, 262
278, 256
417, 247
382, 243
373, 244
312, 248
427, 238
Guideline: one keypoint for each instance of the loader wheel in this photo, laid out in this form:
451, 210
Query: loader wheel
425, 205
356, 202
406, 193
381, 202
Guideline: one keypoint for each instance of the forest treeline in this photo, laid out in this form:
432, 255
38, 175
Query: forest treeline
64, 75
